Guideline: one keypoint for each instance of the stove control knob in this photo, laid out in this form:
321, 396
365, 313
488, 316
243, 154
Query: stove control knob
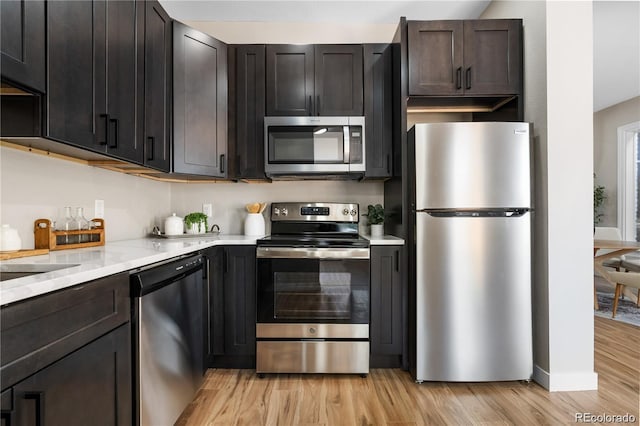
312, 330
276, 211
353, 212
284, 212
345, 212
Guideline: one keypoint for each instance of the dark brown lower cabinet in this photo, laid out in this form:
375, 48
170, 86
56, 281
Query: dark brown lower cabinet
91, 386
386, 335
232, 293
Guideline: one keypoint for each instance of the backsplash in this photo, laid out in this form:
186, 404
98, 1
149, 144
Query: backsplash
34, 186
229, 199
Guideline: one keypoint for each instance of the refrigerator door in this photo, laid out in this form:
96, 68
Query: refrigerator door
472, 165
473, 298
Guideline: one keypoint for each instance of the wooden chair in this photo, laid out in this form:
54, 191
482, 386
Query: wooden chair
631, 279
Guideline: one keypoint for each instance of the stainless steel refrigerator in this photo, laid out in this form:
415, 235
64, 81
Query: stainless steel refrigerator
471, 252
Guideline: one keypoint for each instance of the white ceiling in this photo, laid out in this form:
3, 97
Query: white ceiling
616, 72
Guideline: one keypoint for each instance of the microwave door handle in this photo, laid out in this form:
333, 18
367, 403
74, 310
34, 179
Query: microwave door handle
346, 144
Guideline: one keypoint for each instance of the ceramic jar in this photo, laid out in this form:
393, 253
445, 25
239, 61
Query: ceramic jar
9, 239
254, 225
173, 225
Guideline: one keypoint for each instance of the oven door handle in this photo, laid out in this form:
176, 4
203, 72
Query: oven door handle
340, 253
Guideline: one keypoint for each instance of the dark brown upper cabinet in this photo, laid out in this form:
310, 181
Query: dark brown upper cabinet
92, 86
475, 57
246, 111
199, 103
378, 110
306, 80
157, 84
22, 26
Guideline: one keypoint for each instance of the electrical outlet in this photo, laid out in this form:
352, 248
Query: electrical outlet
207, 209
98, 211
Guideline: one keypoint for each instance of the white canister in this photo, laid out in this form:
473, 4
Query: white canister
254, 225
9, 239
173, 225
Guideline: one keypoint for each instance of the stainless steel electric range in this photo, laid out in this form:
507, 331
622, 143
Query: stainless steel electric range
313, 291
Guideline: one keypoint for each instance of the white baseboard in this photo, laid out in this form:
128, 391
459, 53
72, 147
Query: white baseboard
565, 382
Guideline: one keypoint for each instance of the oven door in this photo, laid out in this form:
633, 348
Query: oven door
313, 285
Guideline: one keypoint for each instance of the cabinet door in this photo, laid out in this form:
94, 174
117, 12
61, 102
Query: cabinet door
91, 384
240, 300
493, 56
157, 87
76, 98
290, 72
22, 43
435, 57
199, 103
248, 153
123, 92
378, 102
215, 316
386, 306
338, 80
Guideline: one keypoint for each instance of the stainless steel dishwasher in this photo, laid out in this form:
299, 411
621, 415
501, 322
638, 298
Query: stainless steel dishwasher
168, 339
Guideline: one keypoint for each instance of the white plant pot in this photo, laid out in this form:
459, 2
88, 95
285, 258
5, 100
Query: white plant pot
377, 231
197, 228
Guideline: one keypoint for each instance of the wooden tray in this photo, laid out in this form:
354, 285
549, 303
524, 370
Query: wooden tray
23, 253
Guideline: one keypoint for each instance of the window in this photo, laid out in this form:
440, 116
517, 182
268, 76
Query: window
629, 181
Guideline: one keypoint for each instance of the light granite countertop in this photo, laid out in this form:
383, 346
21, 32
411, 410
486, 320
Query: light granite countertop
91, 263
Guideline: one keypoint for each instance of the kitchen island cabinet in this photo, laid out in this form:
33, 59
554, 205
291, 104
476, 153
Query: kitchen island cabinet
92, 91
66, 356
305, 80
22, 43
199, 103
386, 328
232, 302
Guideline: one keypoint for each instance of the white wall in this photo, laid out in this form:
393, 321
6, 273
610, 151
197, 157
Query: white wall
229, 199
558, 101
34, 186
296, 32
605, 151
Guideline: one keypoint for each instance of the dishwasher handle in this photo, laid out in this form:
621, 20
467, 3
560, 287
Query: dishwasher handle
157, 276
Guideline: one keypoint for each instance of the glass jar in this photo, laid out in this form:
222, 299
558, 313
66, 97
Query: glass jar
67, 223
82, 224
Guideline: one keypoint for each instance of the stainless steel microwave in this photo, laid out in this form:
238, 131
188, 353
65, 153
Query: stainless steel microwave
314, 146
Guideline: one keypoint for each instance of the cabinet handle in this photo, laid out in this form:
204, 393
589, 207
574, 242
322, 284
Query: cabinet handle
468, 78
222, 163
388, 163
225, 261
39, 399
116, 124
317, 104
396, 255
310, 105
151, 147
106, 129
459, 78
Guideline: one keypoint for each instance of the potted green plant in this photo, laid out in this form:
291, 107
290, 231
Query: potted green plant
598, 201
375, 217
196, 223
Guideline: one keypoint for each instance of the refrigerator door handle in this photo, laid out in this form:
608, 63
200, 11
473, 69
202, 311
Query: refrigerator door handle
475, 213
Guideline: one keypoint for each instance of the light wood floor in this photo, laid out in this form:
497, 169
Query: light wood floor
389, 396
